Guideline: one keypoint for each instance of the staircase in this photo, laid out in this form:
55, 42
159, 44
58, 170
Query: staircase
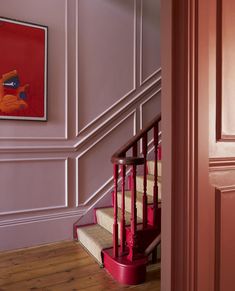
125, 234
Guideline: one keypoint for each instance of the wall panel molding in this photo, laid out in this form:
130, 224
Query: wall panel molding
115, 112
104, 189
154, 95
42, 217
155, 75
67, 35
157, 72
34, 231
46, 208
106, 112
121, 99
71, 146
107, 185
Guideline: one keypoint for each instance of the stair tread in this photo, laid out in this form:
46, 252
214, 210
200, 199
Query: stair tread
152, 161
102, 237
95, 238
108, 212
150, 184
139, 196
150, 178
151, 167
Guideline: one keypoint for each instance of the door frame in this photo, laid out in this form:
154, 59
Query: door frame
187, 224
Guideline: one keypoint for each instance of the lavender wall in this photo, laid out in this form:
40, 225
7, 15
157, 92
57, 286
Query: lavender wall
104, 85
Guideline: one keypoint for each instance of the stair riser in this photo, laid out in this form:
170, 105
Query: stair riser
97, 209
105, 220
91, 247
94, 239
139, 205
150, 185
107, 223
151, 168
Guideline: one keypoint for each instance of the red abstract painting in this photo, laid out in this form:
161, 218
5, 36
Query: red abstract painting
23, 70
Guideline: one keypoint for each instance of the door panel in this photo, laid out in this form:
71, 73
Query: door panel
225, 69
222, 137
225, 236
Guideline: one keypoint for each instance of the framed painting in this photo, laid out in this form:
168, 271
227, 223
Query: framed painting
23, 70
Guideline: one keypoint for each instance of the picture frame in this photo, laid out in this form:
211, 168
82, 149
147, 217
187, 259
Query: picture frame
23, 70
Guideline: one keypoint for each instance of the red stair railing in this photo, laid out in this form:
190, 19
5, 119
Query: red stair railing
120, 159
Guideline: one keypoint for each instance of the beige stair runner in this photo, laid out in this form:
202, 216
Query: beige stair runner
99, 236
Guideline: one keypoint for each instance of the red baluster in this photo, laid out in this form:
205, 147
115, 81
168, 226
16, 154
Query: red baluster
129, 239
135, 154
132, 243
155, 187
145, 202
123, 222
115, 210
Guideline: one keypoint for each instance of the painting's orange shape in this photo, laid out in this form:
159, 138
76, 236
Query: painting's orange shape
10, 102
9, 75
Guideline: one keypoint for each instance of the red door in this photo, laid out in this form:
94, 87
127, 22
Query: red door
200, 141
222, 138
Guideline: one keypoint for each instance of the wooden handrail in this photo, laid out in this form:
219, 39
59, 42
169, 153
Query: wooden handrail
119, 156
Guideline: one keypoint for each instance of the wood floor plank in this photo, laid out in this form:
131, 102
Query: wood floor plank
63, 266
37, 249
6, 278
54, 278
37, 262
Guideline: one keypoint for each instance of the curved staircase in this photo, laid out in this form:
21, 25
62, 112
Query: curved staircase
126, 233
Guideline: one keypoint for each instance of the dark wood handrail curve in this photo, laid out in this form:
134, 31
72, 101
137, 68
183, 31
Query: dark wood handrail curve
119, 158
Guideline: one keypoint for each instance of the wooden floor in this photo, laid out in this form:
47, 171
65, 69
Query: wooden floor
62, 266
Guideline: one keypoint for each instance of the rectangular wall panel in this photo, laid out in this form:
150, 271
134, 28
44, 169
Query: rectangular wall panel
94, 168
32, 185
37, 232
105, 55
150, 108
149, 39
